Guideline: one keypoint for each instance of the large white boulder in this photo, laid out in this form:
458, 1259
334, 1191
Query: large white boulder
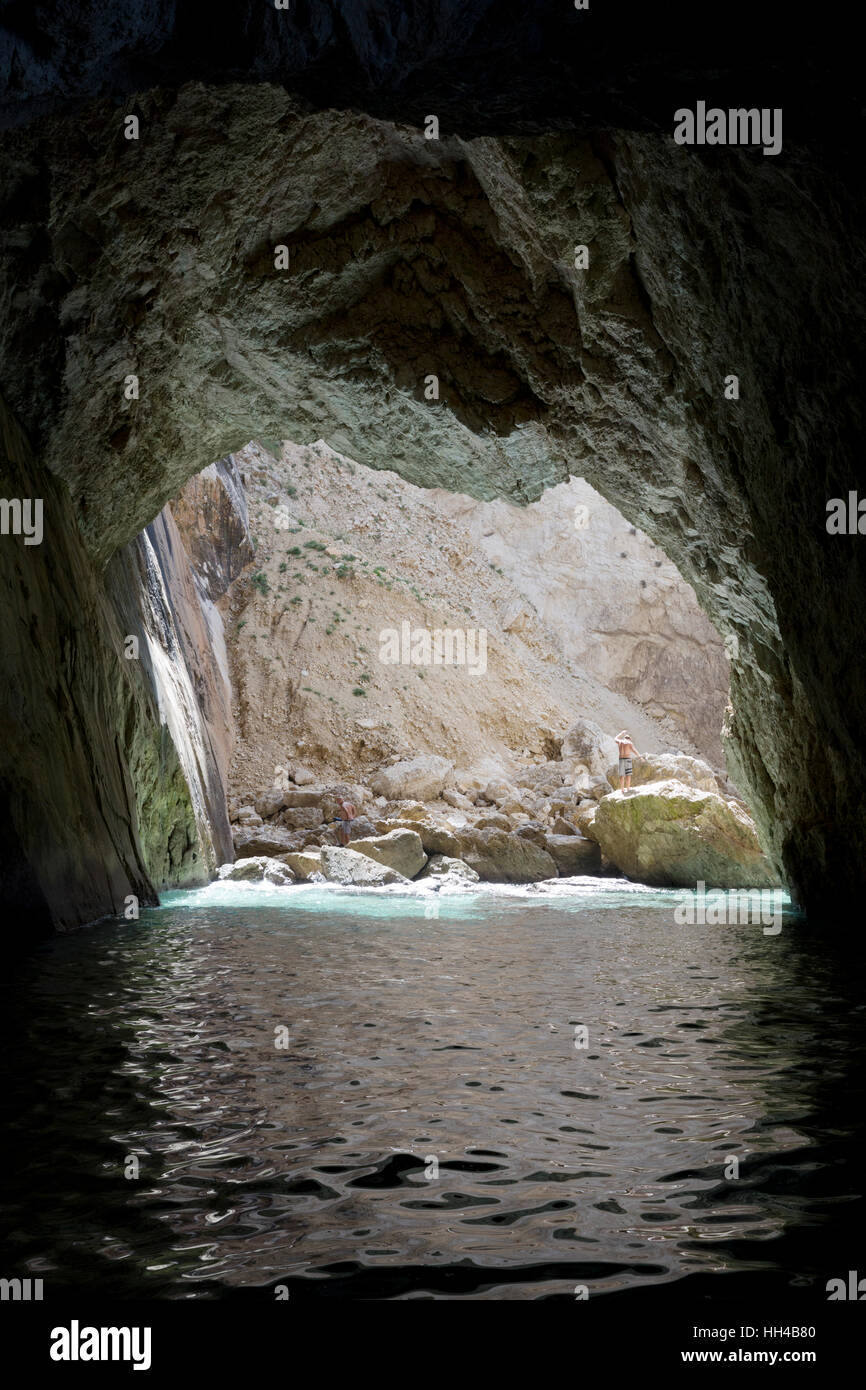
672, 835
398, 849
257, 870
662, 767
347, 866
306, 864
443, 868
588, 745
417, 779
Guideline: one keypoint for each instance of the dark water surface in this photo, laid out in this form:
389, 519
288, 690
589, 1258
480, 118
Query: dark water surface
413, 1039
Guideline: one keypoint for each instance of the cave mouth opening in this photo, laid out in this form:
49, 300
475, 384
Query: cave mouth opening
335, 621
567, 579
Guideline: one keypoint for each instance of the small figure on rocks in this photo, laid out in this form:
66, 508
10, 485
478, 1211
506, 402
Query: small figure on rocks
627, 751
346, 816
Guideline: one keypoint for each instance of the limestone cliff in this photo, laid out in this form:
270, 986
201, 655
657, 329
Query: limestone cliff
345, 554
613, 603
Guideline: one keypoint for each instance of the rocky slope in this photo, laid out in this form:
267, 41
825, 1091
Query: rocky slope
345, 553
613, 603
423, 819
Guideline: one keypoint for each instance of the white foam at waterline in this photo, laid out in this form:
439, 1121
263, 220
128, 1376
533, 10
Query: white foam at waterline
585, 891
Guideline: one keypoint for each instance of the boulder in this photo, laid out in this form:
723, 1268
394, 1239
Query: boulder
457, 799
587, 744
259, 869
561, 826
305, 864
347, 866
534, 832
303, 777
443, 867
492, 820
304, 796
515, 613
247, 815
473, 780
270, 802
419, 779
301, 817
399, 849
665, 767
269, 840
498, 791
435, 837
573, 854
584, 818
469, 784
411, 810
359, 829
673, 835
323, 835
596, 790
500, 857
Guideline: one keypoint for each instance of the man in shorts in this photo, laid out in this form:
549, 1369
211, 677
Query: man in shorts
345, 818
627, 751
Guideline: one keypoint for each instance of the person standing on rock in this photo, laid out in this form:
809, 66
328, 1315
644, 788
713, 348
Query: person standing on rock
346, 816
627, 751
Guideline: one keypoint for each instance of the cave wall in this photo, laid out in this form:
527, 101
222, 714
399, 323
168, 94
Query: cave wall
78, 731
104, 793
758, 270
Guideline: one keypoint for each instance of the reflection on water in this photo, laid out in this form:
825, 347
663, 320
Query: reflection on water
431, 1128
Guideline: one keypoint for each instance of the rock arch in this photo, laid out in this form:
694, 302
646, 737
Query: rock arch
407, 256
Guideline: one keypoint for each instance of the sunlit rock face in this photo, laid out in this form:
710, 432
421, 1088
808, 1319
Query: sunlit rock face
410, 258
613, 600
